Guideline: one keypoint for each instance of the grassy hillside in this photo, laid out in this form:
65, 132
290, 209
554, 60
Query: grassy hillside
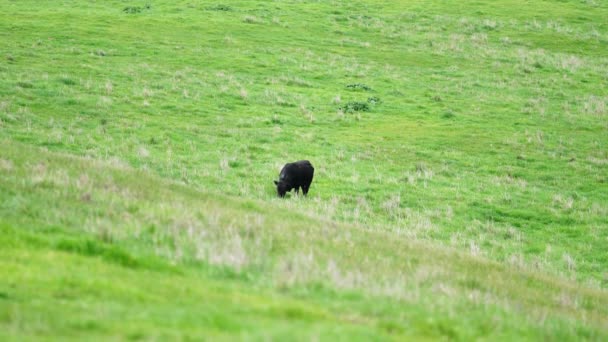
93, 250
460, 153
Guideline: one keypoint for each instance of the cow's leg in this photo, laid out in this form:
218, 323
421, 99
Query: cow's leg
305, 189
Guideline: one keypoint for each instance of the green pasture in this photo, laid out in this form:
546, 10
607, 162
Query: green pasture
460, 153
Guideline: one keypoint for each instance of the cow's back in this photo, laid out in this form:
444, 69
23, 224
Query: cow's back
304, 171
297, 172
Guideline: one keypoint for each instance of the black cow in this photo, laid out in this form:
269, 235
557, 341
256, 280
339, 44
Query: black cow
295, 176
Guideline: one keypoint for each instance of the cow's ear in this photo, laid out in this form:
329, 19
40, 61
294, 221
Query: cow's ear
276, 183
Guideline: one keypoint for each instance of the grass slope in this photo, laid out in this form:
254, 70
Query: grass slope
460, 158
91, 250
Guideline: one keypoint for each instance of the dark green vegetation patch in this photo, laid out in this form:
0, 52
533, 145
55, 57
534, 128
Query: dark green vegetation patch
359, 86
354, 106
136, 9
219, 7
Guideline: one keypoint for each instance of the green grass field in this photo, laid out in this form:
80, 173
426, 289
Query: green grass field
460, 153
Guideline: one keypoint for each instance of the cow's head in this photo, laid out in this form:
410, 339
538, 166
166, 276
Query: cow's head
281, 188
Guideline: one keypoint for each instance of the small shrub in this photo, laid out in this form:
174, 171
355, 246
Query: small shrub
356, 17
373, 100
448, 114
276, 120
421, 167
354, 106
233, 164
132, 9
67, 81
251, 19
136, 9
489, 25
359, 86
221, 8
25, 85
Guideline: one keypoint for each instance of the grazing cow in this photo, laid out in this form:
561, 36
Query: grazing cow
295, 176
